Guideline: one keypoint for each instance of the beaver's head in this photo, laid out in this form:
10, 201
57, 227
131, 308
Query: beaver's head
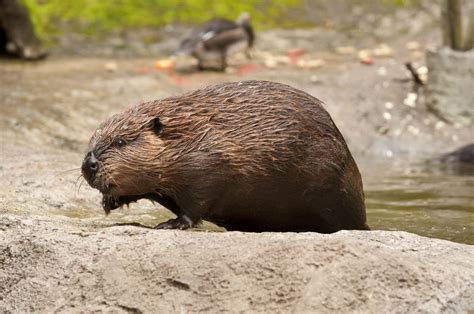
123, 157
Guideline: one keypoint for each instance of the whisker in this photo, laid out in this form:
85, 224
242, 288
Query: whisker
61, 173
69, 170
77, 179
80, 184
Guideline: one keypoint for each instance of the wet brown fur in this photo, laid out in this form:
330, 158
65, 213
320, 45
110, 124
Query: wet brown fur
251, 156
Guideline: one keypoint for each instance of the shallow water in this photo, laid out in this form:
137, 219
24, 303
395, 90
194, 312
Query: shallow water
432, 200
426, 199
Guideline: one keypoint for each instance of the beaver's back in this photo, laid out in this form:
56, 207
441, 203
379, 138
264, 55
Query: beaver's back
253, 124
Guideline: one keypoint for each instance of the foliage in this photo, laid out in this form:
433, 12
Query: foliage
95, 16
400, 3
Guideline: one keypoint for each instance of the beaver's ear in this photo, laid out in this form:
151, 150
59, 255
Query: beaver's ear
157, 126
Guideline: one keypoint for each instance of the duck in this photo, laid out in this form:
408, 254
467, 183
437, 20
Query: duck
216, 39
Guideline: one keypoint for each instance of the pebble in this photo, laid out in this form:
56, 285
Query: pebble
271, 63
365, 54
423, 70
310, 64
382, 71
439, 125
383, 129
387, 116
383, 50
345, 50
314, 79
111, 66
413, 45
413, 130
388, 105
410, 100
165, 64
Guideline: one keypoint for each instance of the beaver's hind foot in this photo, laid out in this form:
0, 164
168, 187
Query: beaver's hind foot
181, 222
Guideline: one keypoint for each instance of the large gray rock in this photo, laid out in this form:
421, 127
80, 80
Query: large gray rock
450, 89
53, 264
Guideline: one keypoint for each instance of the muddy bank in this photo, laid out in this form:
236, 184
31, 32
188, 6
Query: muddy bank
53, 264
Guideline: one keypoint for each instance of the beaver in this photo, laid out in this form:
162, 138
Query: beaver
248, 156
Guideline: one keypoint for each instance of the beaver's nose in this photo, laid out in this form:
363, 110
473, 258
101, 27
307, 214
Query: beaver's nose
90, 166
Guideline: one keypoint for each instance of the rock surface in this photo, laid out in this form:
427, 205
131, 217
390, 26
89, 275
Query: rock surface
63, 265
450, 81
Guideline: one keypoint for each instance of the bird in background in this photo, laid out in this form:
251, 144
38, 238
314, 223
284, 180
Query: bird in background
215, 40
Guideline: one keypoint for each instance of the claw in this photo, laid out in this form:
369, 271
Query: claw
181, 223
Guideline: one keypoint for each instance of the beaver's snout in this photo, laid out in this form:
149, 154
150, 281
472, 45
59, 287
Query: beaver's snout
90, 166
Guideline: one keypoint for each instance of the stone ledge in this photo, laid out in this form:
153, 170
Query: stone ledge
58, 264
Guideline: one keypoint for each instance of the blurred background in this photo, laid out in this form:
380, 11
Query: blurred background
397, 76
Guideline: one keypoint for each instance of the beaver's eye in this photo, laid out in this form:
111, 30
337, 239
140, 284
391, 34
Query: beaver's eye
120, 142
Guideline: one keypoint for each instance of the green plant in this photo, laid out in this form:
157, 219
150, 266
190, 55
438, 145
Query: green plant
95, 16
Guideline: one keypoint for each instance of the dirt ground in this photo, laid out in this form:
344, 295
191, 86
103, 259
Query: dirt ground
49, 110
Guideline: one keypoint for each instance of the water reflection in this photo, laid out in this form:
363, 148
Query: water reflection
429, 199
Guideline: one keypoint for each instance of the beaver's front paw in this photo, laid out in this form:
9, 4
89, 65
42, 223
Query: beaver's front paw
110, 203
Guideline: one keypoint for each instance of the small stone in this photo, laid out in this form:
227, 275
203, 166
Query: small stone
413, 45
422, 70
310, 64
439, 125
365, 54
164, 64
410, 100
271, 63
231, 70
382, 71
388, 105
314, 79
345, 50
383, 50
383, 129
111, 66
413, 130
387, 116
